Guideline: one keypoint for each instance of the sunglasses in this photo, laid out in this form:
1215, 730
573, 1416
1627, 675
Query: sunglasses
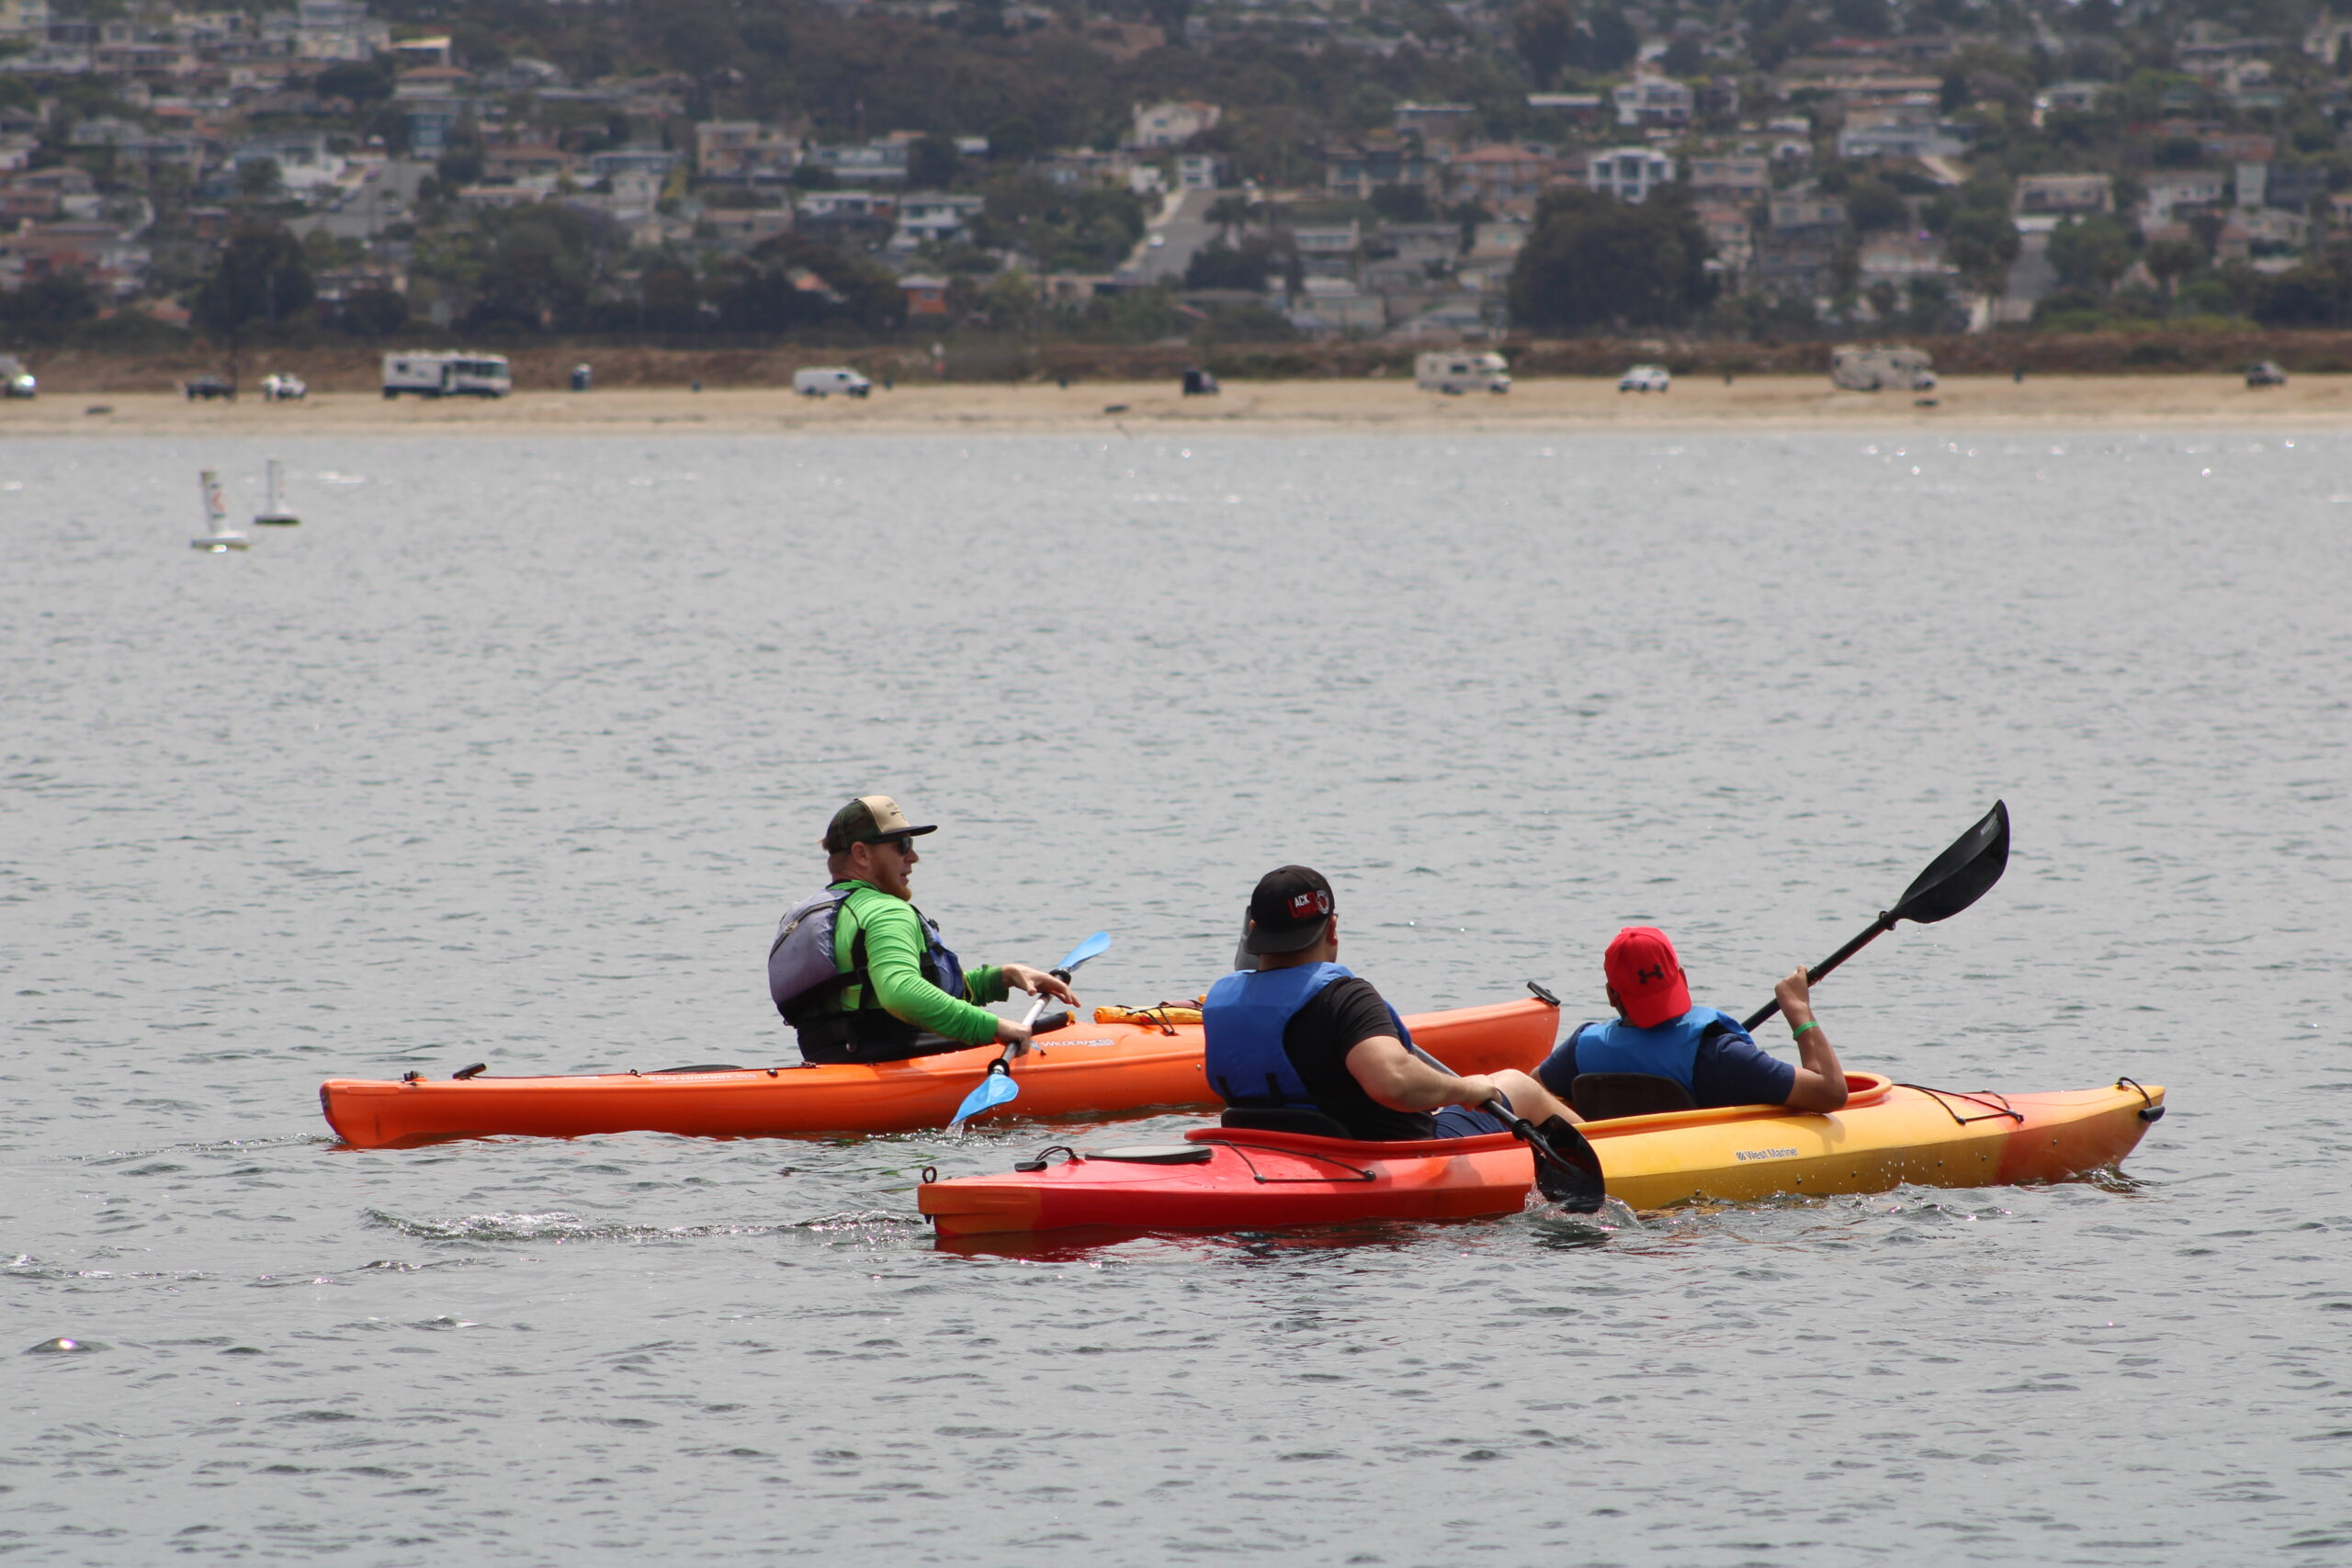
905, 846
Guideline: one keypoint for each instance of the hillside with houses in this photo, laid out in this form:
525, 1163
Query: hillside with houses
1231, 170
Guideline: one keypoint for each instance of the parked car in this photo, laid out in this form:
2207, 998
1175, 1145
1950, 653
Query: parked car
284, 387
210, 387
1645, 379
16, 381
2266, 373
824, 380
1199, 383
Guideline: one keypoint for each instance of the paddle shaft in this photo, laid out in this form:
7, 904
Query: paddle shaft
1885, 923
1954, 880
1004, 1063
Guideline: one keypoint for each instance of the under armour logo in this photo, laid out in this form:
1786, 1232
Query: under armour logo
1650, 975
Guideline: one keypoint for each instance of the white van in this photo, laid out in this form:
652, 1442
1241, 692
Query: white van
823, 381
445, 373
1881, 368
1454, 373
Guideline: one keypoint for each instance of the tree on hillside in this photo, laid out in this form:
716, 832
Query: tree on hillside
1982, 242
2090, 254
262, 276
371, 313
789, 282
930, 163
1228, 213
2170, 261
1596, 262
536, 276
1221, 266
1874, 203
1605, 43
1543, 33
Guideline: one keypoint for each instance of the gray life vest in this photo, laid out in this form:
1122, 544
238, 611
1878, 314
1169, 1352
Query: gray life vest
802, 974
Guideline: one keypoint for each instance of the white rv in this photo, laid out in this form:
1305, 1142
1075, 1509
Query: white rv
445, 374
1456, 372
1876, 369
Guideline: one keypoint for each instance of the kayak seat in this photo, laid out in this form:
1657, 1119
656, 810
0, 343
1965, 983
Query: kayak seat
1281, 1119
1605, 1097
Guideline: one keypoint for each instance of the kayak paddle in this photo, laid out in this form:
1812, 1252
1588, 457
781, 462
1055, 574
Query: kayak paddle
996, 1087
1954, 880
1576, 1162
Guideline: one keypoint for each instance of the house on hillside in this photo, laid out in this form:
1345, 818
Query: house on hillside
1171, 124
2064, 195
926, 295
2168, 194
1629, 173
1358, 171
1503, 177
1581, 109
934, 218
742, 150
1202, 170
1438, 125
1653, 100
1731, 234
1909, 129
1328, 250
1742, 178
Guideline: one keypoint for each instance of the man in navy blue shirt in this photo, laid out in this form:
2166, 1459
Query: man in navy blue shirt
1658, 1032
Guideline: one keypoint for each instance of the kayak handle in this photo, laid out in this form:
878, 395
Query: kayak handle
1032, 1166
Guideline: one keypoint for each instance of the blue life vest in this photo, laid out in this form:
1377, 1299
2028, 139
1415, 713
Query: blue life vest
1243, 1023
1668, 1050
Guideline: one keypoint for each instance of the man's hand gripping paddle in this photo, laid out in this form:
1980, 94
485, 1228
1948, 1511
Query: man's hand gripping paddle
997, 1086
1576, 1183
1954, 880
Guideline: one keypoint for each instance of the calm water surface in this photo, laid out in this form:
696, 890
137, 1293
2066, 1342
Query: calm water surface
514, 750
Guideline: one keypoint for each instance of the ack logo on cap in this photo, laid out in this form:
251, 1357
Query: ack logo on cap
1309, 905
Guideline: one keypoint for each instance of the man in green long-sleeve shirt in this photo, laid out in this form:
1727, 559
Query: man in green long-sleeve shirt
863, 975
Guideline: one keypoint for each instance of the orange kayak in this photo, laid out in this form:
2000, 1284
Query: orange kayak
1081, 1068
1223, 1178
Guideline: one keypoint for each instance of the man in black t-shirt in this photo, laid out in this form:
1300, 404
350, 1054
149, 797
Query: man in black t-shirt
1301, 1031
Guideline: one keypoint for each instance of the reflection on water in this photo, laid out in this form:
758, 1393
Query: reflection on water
514, 751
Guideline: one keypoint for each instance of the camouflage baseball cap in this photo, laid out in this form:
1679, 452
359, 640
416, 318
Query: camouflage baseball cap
867, 819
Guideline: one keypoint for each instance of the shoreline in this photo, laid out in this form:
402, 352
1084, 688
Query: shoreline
1757, 403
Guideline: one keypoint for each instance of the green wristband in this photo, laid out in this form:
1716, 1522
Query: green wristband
1800, 1029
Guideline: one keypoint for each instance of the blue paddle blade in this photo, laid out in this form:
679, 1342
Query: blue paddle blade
1094, 946
997, 1088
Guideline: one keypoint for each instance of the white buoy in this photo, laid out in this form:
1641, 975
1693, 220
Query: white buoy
275, 514
216, 513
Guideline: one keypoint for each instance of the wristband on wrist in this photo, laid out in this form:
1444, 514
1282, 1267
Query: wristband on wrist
1800, 1029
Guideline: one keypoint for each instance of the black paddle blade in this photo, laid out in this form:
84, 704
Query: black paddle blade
1960, 876
1567, 1169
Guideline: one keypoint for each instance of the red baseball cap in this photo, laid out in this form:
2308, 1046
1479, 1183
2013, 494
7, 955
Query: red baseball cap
1647, 977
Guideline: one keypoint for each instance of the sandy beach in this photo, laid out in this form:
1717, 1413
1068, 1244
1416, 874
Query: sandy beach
1377, 403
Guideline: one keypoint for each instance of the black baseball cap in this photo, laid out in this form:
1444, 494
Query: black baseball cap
1288, 911
869, 819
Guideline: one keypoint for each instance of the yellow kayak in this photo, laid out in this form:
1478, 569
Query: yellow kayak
1888, 1134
